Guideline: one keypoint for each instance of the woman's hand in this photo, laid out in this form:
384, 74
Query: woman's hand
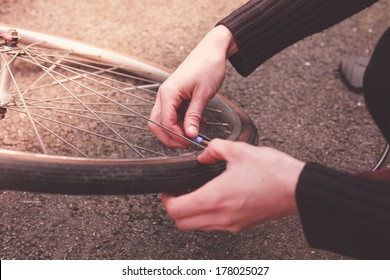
188, 90
258, 185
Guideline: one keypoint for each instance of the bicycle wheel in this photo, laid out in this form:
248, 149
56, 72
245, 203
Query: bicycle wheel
74, 121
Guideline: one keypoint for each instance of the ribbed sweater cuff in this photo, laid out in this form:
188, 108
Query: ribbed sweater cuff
343, 213
262, 28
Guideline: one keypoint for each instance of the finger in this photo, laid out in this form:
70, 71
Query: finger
208, 198
170, 104
154, 119
170, 108
162, 134
193, 116
167, 137
155, 114
165, 198
182, 206
217, 150
206, 222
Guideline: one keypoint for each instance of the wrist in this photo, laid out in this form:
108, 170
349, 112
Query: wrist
222, 38
295, 168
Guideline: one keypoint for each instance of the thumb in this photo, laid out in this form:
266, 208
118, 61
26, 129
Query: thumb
193, 116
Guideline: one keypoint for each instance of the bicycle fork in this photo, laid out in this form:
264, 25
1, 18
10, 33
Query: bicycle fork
11, 39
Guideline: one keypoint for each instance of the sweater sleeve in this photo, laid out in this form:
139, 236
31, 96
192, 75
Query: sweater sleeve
262, 28
344, 213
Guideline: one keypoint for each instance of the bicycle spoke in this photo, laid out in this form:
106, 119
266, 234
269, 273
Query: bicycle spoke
73, 71
85, 131
121, 106
85, 106
113, 89
90, 63
41, 143
90, 94
85, 95
51, 68
67, 111
60, 138
81, 111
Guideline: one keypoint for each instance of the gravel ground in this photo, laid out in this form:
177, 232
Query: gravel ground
296, 101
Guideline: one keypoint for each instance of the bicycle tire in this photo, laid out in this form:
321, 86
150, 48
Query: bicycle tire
25, 171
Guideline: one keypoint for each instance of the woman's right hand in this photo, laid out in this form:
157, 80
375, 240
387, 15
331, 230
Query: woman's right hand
188, 90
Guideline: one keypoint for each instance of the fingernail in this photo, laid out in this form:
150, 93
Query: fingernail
193, 130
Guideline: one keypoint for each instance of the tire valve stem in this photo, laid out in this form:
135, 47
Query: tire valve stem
200, 141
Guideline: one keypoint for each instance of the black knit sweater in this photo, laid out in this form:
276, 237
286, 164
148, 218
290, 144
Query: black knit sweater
340, 212
262, 28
